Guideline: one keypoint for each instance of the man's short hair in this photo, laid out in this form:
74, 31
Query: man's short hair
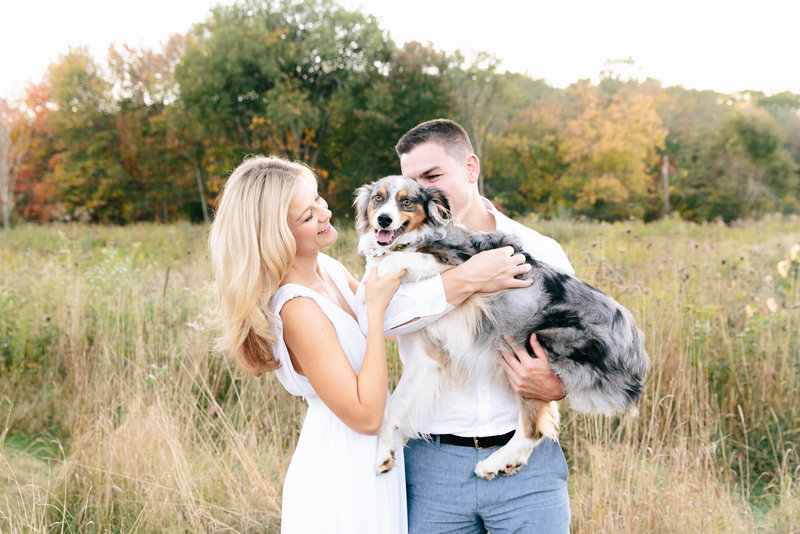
445, 132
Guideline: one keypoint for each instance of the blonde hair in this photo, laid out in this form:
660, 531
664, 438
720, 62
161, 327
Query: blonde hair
252, 249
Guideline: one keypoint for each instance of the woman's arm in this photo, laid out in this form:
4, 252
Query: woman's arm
357, 399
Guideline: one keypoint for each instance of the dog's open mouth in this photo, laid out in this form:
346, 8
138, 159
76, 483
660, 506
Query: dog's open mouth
387, 237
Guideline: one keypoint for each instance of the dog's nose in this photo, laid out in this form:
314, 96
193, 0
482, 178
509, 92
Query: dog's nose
384, 220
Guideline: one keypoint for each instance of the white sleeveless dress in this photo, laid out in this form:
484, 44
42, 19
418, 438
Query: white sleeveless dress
331, 485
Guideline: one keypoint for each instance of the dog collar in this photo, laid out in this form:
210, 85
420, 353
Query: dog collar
377, 252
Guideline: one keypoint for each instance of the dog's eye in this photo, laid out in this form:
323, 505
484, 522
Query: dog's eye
407, 203
378, 197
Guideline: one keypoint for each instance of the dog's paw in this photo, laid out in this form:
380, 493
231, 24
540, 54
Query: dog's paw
508, 459
483, 472
393, 263
387, 444
385, 462
487, 469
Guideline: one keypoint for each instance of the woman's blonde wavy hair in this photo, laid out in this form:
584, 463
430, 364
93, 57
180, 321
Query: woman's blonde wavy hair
252, 249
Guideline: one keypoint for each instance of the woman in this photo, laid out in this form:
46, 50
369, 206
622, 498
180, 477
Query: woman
285, 306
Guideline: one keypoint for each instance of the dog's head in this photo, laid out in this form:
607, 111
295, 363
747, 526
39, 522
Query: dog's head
396, 211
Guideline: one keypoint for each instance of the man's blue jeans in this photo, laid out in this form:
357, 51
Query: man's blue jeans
445, 495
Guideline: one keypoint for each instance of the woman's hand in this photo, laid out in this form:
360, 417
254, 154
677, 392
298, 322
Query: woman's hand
379, 289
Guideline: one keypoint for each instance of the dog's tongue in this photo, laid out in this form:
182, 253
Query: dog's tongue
384, 237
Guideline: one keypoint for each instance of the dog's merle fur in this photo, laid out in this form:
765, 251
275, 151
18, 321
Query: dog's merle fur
592, 342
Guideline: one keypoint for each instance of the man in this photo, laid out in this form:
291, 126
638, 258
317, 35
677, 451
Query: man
444, 494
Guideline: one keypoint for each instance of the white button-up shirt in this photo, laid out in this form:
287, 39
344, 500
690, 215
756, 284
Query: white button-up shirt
484, 408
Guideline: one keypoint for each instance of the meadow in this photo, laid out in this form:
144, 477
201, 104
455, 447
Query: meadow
116, 414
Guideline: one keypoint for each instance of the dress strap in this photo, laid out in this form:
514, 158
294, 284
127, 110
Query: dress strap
314, 401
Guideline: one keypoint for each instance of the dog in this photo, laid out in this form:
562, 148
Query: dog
593, 343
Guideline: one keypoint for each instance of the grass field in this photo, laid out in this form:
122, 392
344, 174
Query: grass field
117, 416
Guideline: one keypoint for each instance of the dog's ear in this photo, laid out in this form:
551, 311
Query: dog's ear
361, 203
437, 207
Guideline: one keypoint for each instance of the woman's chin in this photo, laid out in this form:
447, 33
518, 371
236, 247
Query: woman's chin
329, 235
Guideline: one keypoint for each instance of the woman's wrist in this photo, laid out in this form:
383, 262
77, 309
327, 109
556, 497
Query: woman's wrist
376, 315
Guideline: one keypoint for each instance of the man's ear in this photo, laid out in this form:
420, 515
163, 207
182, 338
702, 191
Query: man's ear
473, 166
437, 208
361, 203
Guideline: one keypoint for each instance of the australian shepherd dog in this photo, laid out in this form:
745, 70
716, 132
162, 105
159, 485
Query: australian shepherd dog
592, 342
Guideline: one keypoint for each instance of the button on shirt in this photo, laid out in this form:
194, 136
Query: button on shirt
487, 407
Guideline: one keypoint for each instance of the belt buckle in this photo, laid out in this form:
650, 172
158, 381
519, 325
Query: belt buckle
477, 445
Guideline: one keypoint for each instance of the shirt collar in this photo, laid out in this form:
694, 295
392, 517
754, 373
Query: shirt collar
500, 220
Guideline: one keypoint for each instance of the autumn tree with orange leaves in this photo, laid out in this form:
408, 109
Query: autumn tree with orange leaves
152, 134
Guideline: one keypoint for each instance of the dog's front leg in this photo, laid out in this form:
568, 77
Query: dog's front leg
388, 437
418, 265
412, 401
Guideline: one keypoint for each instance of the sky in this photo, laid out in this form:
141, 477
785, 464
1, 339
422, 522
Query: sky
726, 46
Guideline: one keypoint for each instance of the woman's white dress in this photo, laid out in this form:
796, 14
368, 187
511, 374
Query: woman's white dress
331, 485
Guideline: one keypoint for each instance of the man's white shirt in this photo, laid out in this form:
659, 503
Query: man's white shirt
485, 408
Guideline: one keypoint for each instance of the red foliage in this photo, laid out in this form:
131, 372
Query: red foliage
37, 199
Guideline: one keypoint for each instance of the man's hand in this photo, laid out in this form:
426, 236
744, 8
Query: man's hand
530, 376
485, 272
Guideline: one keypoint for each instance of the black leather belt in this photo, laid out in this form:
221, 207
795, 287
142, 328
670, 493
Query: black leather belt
485, 442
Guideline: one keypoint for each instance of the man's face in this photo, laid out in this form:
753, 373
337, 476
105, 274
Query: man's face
429, 164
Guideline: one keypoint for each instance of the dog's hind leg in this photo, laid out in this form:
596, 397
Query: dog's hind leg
412, 400
537, 420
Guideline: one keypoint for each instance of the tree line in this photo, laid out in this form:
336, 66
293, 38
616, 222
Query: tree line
151, 134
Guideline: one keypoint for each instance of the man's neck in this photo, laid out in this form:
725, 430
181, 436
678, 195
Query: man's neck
476, 216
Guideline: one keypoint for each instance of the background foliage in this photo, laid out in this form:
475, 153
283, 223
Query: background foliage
150, 135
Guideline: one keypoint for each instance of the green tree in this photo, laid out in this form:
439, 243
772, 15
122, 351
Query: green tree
144, 89
750, 172
261, 76
367, 124
692, 119
524, 167
87, 171
785, 108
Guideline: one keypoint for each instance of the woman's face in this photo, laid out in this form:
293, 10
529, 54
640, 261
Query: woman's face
309, 218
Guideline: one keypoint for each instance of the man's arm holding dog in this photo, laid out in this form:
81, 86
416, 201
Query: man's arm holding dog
486, 272
418, 304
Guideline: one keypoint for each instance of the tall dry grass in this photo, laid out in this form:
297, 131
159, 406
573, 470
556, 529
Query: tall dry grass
115, 416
